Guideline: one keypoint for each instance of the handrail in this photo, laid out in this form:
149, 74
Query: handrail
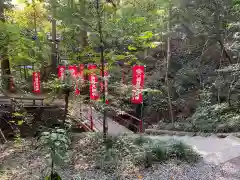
125, 113
28, 98
86, 125
88, 122
137, 126
127, 121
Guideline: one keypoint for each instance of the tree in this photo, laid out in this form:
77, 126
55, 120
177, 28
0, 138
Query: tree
168, 59
5, 64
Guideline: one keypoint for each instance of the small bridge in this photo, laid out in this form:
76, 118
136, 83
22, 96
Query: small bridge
117, 123
25, 101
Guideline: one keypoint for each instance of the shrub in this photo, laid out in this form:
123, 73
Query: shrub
109, 142
182, 152
141, 140
218, 118
107, 160
57, 143
139, 151
159, 153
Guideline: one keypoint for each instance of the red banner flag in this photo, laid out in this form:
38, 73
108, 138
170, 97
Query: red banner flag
137, 82
106, 74
61, 72
73, 70
77, 91
93, 82
81, 72
12, 86
80, 78
36, 82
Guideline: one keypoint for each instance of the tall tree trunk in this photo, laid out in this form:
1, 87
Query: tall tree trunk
217, 19
105, 125
83, 32
84, 38
169, 54
54, 34
5, 64
67, 94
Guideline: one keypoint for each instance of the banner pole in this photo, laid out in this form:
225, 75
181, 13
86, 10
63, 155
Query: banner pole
123, 76
141, 119
80, 104
91, 118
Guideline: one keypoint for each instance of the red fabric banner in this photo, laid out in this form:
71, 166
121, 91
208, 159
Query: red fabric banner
93, 82
36, 82
73, 70
77, 91
81, 72
138, 83
12, 86
80, 79
61, 72
105, 82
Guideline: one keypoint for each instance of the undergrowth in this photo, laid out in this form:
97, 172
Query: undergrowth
125, 152
218, 118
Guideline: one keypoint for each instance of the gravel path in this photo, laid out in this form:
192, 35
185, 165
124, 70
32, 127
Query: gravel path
213, 149
172, 171
201, 171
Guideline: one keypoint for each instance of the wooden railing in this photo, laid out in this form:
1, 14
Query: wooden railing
130, 122
32, 99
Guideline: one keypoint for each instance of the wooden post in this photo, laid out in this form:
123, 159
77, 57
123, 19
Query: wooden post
80, 104
25, 73
91, 118
141, 119
123, 76
4, 138
20, 72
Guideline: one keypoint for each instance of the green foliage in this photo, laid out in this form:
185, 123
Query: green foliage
107, 160
141, 140
128, 29
57, 87
218, 118
138, 150
109, 142
56, 142
159, 153
18, 35
205, 98
53, 176
182, 152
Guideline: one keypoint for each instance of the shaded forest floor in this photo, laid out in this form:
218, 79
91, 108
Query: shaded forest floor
218, 118
24, 161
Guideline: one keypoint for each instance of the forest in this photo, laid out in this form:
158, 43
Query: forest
189, 52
